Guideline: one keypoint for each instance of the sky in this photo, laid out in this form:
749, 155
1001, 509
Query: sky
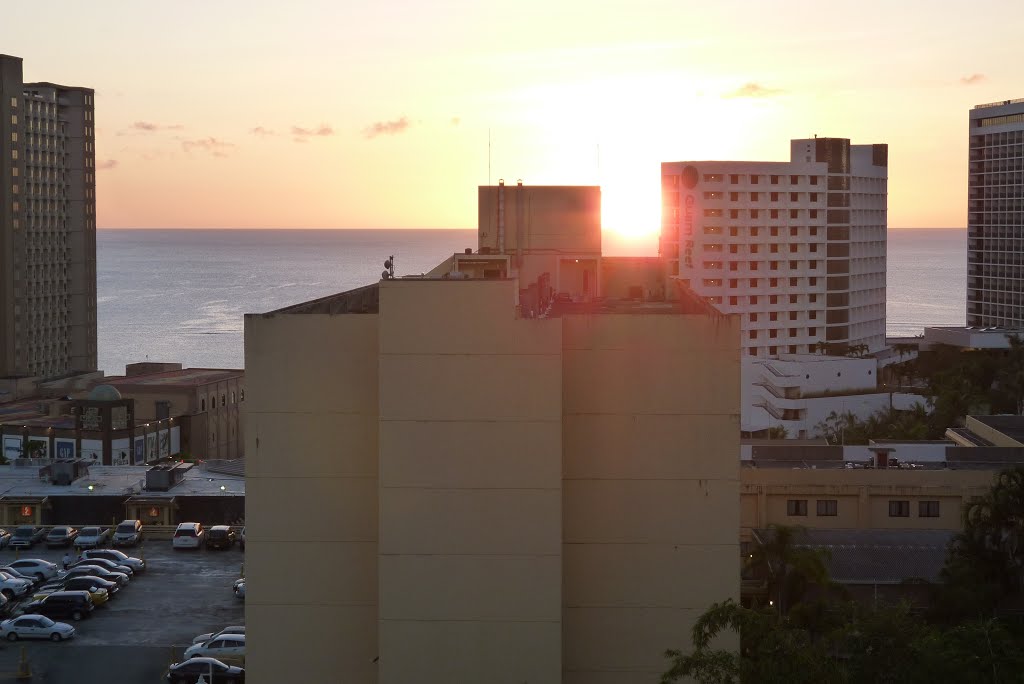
388, 114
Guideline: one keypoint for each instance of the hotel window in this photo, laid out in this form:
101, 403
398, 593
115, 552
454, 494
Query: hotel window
899, 509
928, 509
753, 298
754, 213
775, 180
814, 180
793, 213
792, 332
733, 301
812, 264
814, 214
773, 350
812, 331
752, 351
796, 507
753, 231
773, 334
813, 246
773, 315
775, 197
813, 229
813, 281
734, 179
733, 249
732, 283
794, 180
712, 178
775, 213
814, 197
793, 265
773, 299
712, 212
754, 197
775, 249
753, 334
793, 249
775, 229
793, 282
202, 404
14, 102
734, 231
754, 283
734, 197
794, 196
793, 231
223, 400
753, 317
828, 507
792, 314
792, 349
754, 248
774, 265
813, 315
753, 265
734, 213
754, 179
734, 266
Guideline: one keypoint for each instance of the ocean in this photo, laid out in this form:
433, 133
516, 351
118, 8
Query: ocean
180, 295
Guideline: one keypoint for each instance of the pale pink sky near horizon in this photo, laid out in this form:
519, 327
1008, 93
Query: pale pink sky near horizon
322, 114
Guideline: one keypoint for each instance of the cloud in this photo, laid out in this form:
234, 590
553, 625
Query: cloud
301, 135
213, 146
972, 79
387, 128
150, 127
106, 164
262, 132
754, 90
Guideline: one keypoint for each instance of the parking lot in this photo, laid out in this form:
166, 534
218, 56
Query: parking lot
181, 594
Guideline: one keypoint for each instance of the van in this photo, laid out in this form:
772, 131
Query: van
189, 535
128, 533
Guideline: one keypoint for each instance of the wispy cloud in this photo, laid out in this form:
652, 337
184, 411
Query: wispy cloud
387, 127
972, 79
150, 127
106, 164
262, 132
754, 90
300, 134
210, 145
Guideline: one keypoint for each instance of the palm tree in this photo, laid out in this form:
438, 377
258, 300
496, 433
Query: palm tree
788, 568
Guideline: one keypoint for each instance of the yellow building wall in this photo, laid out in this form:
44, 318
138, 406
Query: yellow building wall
651, 451
311, 509
554, 218
862, 497
470, 486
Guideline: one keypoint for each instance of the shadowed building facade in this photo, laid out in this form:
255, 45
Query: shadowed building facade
477, 494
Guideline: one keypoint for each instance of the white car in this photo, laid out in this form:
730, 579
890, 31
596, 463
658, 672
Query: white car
234, 629
114, 556
11, 586
92, 537
227, 646
189, 535
35, 567
35, 627
20, 574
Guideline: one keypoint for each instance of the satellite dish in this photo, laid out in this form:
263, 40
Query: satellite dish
385, 275
387, 264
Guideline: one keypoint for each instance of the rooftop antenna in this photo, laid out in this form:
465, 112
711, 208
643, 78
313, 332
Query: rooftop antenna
389, 268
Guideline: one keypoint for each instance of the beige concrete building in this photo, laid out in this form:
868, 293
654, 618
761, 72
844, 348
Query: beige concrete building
477, 494
47, 227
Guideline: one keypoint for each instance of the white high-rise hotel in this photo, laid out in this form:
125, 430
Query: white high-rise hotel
797, 248
995, 219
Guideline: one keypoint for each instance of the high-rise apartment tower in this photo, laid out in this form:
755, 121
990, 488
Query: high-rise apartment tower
796, 248
995, 216
47, 227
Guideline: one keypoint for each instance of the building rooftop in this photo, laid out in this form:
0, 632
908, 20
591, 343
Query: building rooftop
24, 481
183, 378
876, 556
1011, 426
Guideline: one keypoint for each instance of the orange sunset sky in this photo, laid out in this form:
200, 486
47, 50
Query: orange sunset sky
342, 114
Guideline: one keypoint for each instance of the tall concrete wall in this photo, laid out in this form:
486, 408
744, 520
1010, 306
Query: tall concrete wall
650, 489
311, 489
470, 486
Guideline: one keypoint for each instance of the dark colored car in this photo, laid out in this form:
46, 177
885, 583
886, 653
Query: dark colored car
63, 604
87, 582
220, 537
61, 536
96, 571
108, 565
212, 670
128, 533
26, 536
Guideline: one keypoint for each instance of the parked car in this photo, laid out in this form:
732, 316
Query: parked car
220, 537
98, 594
89, 583
241, 540
93, 537
128, 533
20, 574
36, 567
61, 536
228, 646
104, 563
62, 604
234, 629
212, 670
189, 535
96, 571
5, 538
113, 555
35, 627
14, 587
26, 536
